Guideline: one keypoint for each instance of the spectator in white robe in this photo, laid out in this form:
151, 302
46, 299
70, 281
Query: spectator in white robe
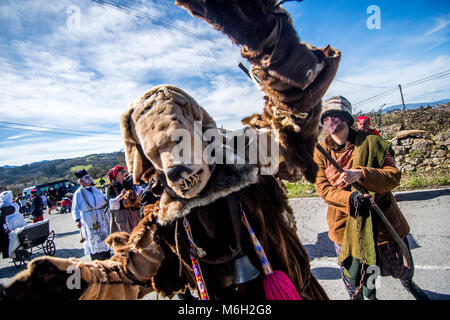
89, 211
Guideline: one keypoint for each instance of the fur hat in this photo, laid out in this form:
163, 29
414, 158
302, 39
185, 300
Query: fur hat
338, 106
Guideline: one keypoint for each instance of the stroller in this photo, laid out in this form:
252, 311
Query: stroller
23, 240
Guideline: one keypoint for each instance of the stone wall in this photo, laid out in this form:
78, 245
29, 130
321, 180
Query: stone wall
426, 152
423, 152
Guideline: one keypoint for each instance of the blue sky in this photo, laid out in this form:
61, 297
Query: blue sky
76, 64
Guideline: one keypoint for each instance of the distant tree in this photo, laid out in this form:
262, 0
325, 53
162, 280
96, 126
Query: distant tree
95, 172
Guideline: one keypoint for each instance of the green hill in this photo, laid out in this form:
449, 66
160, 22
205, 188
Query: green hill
18, 178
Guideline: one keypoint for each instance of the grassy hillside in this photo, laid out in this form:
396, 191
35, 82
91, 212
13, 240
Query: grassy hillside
98, 165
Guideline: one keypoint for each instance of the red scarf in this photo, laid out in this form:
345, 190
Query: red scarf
112, 174
332, 174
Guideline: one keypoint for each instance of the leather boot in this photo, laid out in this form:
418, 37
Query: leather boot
414, 289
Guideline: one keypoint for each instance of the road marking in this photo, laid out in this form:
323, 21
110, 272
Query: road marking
332, 262
433, 267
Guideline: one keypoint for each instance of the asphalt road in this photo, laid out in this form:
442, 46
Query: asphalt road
427, 212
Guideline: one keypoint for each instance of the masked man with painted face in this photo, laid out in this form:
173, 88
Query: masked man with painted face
360, 239
89, 210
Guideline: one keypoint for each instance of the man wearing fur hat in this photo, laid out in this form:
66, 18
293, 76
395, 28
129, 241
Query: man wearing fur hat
360, 239
89, 210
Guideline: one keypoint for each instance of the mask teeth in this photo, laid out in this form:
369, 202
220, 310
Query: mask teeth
190, 182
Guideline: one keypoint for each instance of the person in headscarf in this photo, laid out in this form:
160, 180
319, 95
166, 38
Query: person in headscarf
363, 123
124, 200
6, 209
89, 210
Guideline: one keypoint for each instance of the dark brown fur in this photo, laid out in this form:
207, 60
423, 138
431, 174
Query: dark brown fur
270, 216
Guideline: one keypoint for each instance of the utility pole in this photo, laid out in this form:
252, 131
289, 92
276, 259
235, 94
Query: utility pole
401, 94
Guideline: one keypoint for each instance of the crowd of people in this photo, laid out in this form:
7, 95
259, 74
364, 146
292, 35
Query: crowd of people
96, 212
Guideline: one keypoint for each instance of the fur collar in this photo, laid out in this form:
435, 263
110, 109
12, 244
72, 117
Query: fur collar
225, 180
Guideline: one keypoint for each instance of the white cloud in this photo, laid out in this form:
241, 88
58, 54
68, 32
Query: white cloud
85, 78
437, 34
102, 72
18, 136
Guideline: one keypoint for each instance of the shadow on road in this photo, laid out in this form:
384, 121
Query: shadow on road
437, 296
421, 195
412, 242
326, 273
323, 247
66, 234
10, 272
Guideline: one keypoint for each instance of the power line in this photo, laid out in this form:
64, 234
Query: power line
87, 133
46, 132
436, 76
362, 85
423, 81
54, 128
376, 97
133, 12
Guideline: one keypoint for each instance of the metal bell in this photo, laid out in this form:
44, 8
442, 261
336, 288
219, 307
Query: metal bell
244, 270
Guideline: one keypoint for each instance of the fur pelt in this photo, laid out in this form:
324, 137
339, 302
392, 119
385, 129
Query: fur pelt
117, 241
225, 180
270, 216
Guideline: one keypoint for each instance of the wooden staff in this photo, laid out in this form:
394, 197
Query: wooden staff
405, 252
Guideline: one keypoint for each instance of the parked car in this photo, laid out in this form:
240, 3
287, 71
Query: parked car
42, 188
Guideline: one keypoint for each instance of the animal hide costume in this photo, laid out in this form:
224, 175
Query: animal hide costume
157, 255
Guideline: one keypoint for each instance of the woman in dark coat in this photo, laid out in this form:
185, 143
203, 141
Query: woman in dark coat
52, 198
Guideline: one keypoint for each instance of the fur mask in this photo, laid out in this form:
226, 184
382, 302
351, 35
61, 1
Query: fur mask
154, 127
